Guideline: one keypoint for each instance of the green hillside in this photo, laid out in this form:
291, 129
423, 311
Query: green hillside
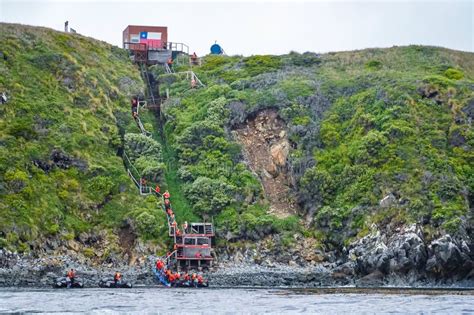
363, 125
378, 136
61, 133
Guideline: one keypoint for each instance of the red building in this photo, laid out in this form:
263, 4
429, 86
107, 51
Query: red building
154, 37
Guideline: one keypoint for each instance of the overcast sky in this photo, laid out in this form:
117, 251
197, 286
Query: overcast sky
263, 27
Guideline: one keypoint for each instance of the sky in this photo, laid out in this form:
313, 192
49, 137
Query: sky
262, 26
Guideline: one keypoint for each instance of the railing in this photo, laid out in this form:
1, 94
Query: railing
178, 47
145, 75
168, 70
143, 189
190, 75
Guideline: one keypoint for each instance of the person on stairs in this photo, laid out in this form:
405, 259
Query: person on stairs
185, 227
194, 59
170, 63
159, 264
134, 102
143, 185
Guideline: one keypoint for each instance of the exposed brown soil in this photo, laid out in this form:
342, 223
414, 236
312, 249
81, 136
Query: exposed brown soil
266, 147
127, 239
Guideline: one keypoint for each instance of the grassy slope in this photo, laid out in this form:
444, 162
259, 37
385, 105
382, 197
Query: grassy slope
69, 94
360, 126
362, 118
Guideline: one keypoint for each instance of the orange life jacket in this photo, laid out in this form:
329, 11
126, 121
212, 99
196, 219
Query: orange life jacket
200, 279
117, 276
71, 274
186, 277
194, 276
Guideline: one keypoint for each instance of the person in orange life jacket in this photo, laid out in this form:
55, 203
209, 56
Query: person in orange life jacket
178, 232
175, 247
167, 204
134, 102
194, 279
166, 195
169, 275
186, 277
117, 277
170, 63
70, 276
177, 276
157, 189
198, 255
200, 279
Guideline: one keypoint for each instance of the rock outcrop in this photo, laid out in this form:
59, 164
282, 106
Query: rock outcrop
266, 148
408, 255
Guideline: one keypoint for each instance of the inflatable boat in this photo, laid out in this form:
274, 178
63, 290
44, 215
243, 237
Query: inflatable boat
110, 283
63, 282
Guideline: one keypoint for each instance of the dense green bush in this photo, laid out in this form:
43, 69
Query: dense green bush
454, 74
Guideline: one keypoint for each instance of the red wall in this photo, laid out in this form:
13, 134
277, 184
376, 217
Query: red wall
136, 29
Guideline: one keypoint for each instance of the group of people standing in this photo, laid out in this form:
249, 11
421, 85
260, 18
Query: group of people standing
177, 279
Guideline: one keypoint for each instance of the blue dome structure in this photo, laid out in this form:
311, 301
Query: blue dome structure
216, 50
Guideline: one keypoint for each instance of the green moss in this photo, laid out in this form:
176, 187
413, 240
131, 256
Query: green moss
89, 252
373, 65
454, 74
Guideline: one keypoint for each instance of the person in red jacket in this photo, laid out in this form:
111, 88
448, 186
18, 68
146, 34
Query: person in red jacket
159, 264
166, 195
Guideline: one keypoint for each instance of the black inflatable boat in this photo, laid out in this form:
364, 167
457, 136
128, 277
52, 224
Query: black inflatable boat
64, 283
110, 283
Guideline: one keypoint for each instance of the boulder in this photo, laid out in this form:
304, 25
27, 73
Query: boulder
449, 257
387, 201
279, 153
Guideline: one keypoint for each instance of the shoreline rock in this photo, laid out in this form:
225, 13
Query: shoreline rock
403, 258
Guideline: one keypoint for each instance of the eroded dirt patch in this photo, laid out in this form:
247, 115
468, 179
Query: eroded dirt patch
266, 147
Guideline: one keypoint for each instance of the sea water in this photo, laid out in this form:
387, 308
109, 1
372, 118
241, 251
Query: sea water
228, 301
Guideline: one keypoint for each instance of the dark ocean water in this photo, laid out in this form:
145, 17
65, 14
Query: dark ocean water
228, 301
